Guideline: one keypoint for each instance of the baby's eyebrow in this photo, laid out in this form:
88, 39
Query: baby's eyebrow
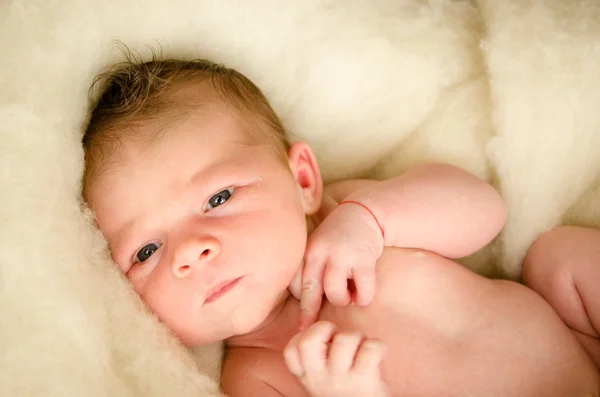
119, 243
204, 174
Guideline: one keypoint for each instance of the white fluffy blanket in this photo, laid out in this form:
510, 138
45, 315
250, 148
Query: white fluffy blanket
509, 90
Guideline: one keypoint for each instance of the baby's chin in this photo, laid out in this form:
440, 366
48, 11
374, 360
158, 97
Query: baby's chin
252, 320
237, 325
215, 330
193, 341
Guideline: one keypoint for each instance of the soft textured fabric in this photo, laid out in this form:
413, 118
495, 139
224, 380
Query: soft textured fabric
509, 90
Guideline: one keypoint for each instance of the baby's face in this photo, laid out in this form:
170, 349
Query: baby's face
210, 231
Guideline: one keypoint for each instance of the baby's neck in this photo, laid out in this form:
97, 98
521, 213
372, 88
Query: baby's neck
275, 331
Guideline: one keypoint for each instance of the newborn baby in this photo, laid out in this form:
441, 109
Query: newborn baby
214, 218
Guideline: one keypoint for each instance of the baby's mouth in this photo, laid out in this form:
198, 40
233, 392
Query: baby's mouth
220, 289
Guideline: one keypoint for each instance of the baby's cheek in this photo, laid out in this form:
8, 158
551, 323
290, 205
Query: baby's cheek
171, 305
285, 243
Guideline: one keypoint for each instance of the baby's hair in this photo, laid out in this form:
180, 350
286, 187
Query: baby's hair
134, 92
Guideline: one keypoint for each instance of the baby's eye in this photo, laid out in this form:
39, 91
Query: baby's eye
219, 198
146, 252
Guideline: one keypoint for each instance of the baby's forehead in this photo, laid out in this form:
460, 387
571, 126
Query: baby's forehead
203, 134
183, 123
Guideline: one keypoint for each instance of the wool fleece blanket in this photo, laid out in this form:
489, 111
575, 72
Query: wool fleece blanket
508, 90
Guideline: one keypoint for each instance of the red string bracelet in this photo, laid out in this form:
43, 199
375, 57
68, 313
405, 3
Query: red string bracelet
367, 208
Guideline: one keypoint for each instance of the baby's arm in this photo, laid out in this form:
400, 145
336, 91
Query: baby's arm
563, 266
435, 207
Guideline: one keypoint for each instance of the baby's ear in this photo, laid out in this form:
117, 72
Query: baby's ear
305, 169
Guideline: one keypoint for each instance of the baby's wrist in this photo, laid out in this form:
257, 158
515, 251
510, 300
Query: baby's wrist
366, 214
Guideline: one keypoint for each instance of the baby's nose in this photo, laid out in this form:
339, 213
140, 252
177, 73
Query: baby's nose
194, 253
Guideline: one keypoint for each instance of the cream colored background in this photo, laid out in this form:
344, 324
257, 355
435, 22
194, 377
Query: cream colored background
509, 90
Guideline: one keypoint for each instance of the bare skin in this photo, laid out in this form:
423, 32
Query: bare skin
563, 266
210, 231
448, 331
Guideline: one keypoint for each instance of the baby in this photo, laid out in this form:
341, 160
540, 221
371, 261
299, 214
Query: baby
215, 218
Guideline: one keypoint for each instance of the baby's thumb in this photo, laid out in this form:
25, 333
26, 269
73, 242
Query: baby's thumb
296, 284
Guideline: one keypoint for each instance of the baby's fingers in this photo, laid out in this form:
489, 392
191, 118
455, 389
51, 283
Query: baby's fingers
335, 283
364, 280
312, 292
369, 356
306, 353
342, 352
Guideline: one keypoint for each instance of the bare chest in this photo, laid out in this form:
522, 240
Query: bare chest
420, 314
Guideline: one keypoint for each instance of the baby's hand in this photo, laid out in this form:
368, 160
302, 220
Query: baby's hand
346, 245
329, 363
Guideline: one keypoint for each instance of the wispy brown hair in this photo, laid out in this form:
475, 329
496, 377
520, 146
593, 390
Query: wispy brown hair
134, 92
